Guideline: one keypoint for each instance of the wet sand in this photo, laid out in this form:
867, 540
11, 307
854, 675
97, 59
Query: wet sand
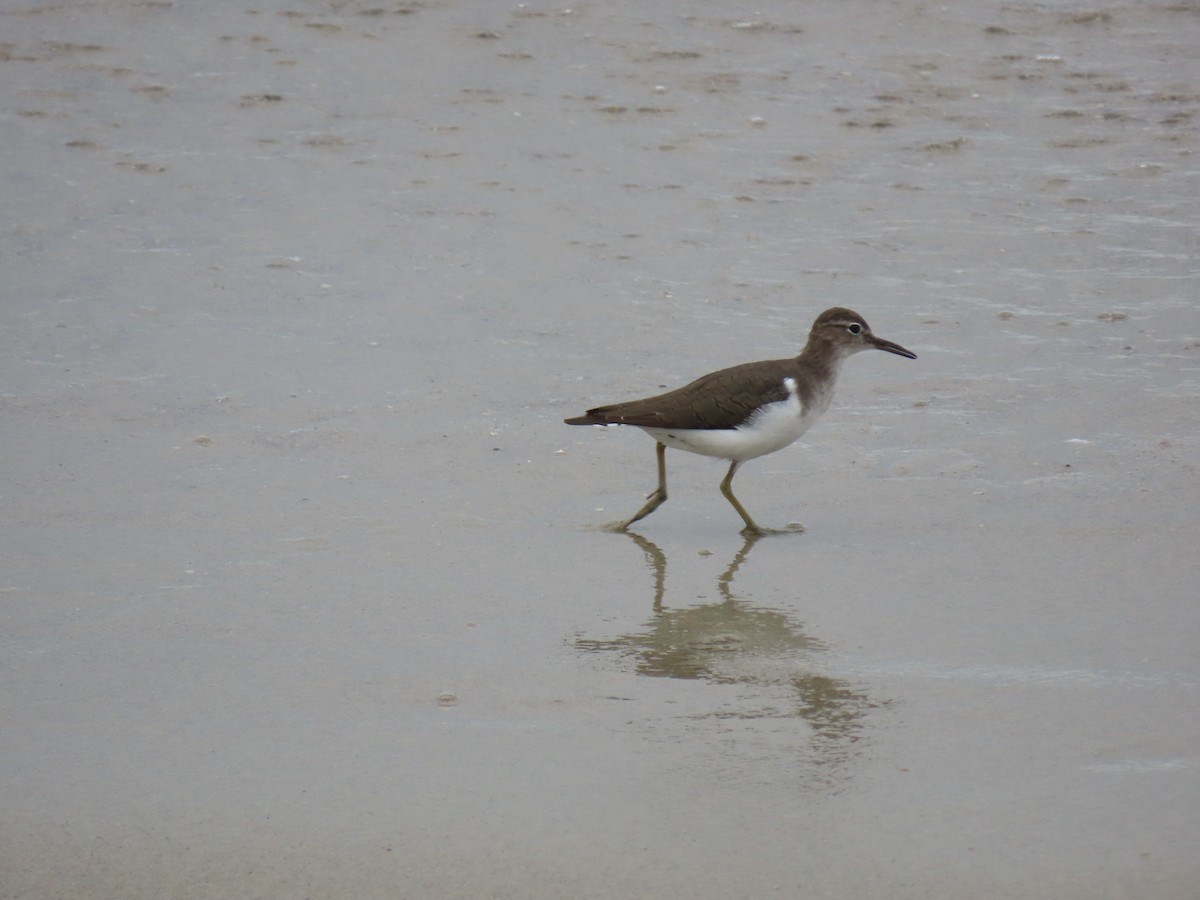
302, 586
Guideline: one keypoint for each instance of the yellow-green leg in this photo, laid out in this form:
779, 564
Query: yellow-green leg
727, 489
655, 500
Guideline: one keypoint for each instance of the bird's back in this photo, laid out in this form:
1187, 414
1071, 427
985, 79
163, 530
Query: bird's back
719, 400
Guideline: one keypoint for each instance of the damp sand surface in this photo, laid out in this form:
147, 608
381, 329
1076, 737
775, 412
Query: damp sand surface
302, 584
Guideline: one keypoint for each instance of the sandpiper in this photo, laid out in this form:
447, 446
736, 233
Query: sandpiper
745, 411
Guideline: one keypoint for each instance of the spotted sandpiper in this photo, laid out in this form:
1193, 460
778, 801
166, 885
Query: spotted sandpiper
745, 411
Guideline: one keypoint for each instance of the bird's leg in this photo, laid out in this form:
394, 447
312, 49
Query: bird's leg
656, 499
752, 529
727, 489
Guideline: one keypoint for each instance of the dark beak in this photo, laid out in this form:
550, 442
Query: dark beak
881, 344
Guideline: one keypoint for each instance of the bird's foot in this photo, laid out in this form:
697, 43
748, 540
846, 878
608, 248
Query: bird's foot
758, 531
616, 527
653, 501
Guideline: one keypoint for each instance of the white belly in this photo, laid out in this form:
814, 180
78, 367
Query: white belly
772, 428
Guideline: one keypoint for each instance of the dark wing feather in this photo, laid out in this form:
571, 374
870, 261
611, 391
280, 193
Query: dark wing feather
724, 399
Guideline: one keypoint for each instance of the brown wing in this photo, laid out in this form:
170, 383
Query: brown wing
723, 399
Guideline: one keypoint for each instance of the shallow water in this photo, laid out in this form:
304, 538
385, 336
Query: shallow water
302, 586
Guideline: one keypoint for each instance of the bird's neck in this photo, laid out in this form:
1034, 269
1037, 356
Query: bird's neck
820, 362
822, 358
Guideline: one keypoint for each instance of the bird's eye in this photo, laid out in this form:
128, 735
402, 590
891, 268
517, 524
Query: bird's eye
854, 327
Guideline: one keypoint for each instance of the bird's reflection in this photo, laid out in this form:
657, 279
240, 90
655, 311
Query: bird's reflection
733, 642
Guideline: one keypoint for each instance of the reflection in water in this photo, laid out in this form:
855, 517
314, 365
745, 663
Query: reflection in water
731, 642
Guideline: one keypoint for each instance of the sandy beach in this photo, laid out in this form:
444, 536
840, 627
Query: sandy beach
303, 588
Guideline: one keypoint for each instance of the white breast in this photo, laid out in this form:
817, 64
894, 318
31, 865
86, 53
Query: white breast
772, 428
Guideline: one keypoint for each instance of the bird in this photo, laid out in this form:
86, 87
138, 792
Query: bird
746, 411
